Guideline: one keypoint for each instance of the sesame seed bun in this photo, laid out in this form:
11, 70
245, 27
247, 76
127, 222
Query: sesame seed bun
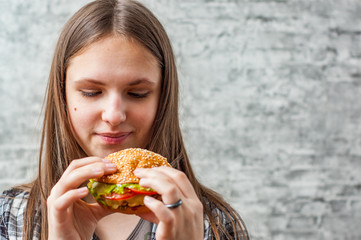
128, 160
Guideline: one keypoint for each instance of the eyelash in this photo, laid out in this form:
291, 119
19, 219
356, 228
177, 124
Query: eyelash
134, 95
138, 95
90, 94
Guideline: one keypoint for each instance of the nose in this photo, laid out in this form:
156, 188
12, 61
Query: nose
114, 111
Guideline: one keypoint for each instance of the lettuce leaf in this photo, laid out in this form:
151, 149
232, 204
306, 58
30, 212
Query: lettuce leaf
99, 189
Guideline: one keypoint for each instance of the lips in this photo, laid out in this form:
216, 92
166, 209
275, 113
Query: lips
114, 138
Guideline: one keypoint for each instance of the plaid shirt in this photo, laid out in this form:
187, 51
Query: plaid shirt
13, 204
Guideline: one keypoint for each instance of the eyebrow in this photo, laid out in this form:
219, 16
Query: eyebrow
142, 80
133, 83
89, 80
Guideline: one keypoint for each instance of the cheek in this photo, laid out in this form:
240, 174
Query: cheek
145, 117
80, 118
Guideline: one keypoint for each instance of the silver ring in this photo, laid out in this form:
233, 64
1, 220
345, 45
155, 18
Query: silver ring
174, 205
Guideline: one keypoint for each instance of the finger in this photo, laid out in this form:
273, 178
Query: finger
173, 175
176, 221
80, 175
167, 219
161, 184
84, 173
67, 199
161, 212
98, 211
180, 179
149, 216
59, 206
77, 163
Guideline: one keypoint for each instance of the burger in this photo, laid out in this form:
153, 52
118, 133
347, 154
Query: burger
121, 191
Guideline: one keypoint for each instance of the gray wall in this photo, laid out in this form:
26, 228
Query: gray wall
270, 104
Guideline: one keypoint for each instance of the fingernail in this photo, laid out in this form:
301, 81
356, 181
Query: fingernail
148, 199
83, 190
97, 170
106, 160
138, 170
110, 166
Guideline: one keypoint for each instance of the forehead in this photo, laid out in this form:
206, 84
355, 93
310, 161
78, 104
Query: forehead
114, 57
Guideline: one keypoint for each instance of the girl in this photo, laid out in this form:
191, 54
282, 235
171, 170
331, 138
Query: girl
113, 84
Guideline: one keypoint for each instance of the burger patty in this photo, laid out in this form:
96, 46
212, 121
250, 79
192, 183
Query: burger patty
135, 201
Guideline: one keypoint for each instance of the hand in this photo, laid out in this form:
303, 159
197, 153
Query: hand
184, 222
68, 216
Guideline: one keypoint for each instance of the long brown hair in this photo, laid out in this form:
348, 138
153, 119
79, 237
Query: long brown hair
58, 145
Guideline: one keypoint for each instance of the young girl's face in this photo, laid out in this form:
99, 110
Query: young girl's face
112, 93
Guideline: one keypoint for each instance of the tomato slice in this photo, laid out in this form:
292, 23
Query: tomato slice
144, 192
116, 196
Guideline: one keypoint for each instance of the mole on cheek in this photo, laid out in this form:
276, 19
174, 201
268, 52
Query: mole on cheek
75, 109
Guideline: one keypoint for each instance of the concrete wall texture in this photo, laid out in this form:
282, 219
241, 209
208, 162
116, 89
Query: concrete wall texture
270, 104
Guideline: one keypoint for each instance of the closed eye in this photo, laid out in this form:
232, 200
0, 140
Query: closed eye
90, 93
138, 95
